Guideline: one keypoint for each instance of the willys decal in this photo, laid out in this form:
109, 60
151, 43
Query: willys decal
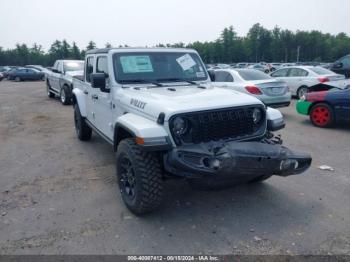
137, 103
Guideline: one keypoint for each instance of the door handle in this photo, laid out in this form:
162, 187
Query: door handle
86, 92
94, 96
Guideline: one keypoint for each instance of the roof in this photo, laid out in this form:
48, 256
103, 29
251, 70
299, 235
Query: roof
98, 51
138, 49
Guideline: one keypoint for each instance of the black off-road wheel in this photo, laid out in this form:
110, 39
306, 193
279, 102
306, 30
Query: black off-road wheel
48, 90
65, 95
82, 130
139, 177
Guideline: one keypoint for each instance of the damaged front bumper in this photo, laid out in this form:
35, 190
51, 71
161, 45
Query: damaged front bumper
242, 160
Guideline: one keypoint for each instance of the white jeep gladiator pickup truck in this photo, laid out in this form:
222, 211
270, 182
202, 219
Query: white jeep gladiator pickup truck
59, 81
164, 118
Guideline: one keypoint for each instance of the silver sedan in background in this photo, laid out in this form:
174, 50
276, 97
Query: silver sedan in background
300, 78
271, 92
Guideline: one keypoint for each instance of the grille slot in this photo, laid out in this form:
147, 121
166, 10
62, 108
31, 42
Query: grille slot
223, 124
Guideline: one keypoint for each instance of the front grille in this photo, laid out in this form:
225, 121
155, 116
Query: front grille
223, 124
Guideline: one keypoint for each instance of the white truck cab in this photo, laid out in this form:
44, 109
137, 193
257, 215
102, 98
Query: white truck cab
164, 118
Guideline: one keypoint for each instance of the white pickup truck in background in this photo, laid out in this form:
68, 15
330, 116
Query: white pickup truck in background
59, 80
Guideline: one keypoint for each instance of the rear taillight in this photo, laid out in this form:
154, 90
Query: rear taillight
253, 90
323, 79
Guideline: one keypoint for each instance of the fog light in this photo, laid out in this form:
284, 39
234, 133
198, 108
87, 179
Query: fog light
211, 163
289, 164
216, 163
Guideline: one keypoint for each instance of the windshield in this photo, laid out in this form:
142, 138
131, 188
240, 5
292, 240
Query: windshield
250, 75
321, 71
158, 67
73, 66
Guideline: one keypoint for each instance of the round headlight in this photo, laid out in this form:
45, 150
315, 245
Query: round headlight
257, 115
180, 126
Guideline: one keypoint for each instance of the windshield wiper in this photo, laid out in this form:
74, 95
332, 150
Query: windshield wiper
143, 81
177, 80
182, 80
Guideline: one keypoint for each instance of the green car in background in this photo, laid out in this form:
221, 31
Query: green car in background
325, 108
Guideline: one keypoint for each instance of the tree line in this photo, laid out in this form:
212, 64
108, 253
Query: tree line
260, 44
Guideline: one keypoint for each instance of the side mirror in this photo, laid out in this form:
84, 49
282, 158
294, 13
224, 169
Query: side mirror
98, 80
338, 65
211, 74
55, 71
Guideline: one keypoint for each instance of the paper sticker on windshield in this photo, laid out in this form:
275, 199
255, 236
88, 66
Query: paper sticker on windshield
186, 62
136, 64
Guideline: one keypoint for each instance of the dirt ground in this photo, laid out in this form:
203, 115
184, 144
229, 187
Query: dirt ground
58, 195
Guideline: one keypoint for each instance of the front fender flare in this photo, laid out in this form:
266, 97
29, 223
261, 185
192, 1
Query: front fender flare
140, 126
275, 120
79, 97
153, 135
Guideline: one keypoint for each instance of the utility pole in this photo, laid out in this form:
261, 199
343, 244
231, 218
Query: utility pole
298, 53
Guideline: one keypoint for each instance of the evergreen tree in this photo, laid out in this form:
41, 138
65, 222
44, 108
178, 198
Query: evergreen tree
260, 44
75, 52
91, 45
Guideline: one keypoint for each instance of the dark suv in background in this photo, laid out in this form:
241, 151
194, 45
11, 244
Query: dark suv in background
342, 66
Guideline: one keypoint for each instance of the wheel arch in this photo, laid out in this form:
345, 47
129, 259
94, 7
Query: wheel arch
78, 97
64, 83
319, 102
67, 85
300, 87
121, 132
152, 135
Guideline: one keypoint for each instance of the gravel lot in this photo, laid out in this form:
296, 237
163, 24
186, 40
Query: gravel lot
59, 195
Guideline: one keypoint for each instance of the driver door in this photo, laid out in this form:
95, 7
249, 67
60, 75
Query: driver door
90, 93
103, 101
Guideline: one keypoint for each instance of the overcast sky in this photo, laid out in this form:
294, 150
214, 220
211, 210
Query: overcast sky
148, 22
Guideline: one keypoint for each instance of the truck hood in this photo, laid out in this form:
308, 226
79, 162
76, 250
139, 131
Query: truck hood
75, 73
181, 99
